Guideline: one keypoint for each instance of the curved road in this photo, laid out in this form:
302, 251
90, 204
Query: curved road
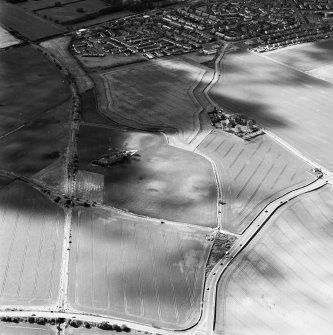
206, 324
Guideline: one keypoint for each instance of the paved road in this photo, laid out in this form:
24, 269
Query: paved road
206, 324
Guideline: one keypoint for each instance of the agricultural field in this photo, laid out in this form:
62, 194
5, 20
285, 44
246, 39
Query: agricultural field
58, 47
89, 111
25, 329
37, 144
39, 83
4, 181
135, 269
27, 24
251, 175
89, 186
74, 11
34, 5
143, 184
7, 39
281, 283
31, 243
306, 56
158, 96
293, 105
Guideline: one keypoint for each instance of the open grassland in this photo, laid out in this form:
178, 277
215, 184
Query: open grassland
251, 175
30, 85
38, 144
282, 282
7, 39
306, 56
25, 329
58, 47
30, 246
293, 105
158, 181
134, 269
27, 24
89, 186
154, 96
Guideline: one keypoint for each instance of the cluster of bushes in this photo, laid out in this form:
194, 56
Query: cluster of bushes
117, 328
70, 322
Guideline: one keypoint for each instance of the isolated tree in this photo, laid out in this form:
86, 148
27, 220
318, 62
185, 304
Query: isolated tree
57, 4
80, 10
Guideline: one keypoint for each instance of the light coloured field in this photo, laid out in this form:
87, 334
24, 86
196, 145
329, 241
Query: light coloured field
89, 186
282, 282
7, 39
323, 72
158, 95
252, 174
134, 269
151, 183
293, 105
58, 47
25, 329
306, 56
30, 246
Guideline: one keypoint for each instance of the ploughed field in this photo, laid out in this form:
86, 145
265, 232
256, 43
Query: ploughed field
252, 174
30, 245
30, 26
156, 95
282, 282
159, 181
30, 86
293, 105
25, 329
135, 269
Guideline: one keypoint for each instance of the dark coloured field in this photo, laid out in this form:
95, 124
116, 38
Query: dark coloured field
4, 181
38, 144
252, 174
30, 85
159, 180
134, 269
293, 105
27, 24
31, 233
89, 112
154, 96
